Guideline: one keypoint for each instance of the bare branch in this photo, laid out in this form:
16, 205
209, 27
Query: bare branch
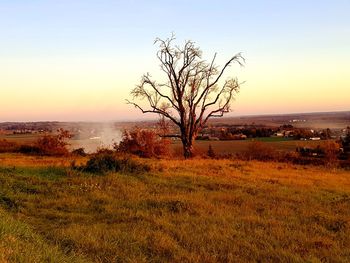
154, 110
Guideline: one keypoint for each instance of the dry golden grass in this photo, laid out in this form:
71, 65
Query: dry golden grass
23, 160
184, 210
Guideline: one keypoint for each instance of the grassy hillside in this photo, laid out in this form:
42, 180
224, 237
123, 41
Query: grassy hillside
19, 243
180, 211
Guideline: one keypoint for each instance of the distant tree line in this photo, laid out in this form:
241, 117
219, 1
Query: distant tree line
229, 132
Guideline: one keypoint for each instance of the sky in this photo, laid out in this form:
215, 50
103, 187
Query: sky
78, 60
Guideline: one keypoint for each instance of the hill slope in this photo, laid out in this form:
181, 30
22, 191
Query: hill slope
185, 211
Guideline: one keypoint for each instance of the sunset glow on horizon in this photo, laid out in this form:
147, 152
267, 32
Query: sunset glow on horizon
78, 62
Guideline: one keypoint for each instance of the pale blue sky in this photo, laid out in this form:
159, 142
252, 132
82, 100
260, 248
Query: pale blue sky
296, 52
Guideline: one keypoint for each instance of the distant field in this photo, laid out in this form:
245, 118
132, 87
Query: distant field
20, 138
181, 211
222, 147
239, 146
317, 120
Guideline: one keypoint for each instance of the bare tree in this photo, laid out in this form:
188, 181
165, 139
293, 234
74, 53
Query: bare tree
192, 92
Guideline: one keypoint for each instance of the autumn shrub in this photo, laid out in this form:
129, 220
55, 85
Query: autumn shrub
289, 156
100, 163
297, 158
143, 143
326, 153
8, 147
29, 149
310, 151
260, 151
105, 161
53, 145
331, 150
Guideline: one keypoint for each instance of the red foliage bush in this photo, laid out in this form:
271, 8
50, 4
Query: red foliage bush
53, 145
331, 151
8, 147
260, 151
144, 143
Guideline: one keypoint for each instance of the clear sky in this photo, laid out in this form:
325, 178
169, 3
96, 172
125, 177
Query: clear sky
79, 59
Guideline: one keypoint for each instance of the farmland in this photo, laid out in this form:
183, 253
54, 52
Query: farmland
221, 147
20, 138
94, 135
240, 146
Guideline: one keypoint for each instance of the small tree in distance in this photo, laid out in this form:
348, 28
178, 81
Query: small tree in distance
211, 152
192, 92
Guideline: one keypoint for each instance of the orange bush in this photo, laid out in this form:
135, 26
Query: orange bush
260, 151
54, 145
6, 146
144, 143
331, 151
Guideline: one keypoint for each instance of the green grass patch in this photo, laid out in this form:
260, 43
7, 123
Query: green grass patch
273, 139
19, 243
47, 173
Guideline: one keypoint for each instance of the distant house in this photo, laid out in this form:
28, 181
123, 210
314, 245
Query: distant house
239, 136
289, 134
315, 138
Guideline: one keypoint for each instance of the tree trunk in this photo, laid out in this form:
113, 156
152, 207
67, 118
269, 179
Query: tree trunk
188, 148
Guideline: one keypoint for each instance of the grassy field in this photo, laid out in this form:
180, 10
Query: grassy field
239, 146
181, 211
20, 138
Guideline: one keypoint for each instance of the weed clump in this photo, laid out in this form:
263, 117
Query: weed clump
103, 162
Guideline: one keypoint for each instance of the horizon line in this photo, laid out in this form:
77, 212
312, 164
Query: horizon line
151, 120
